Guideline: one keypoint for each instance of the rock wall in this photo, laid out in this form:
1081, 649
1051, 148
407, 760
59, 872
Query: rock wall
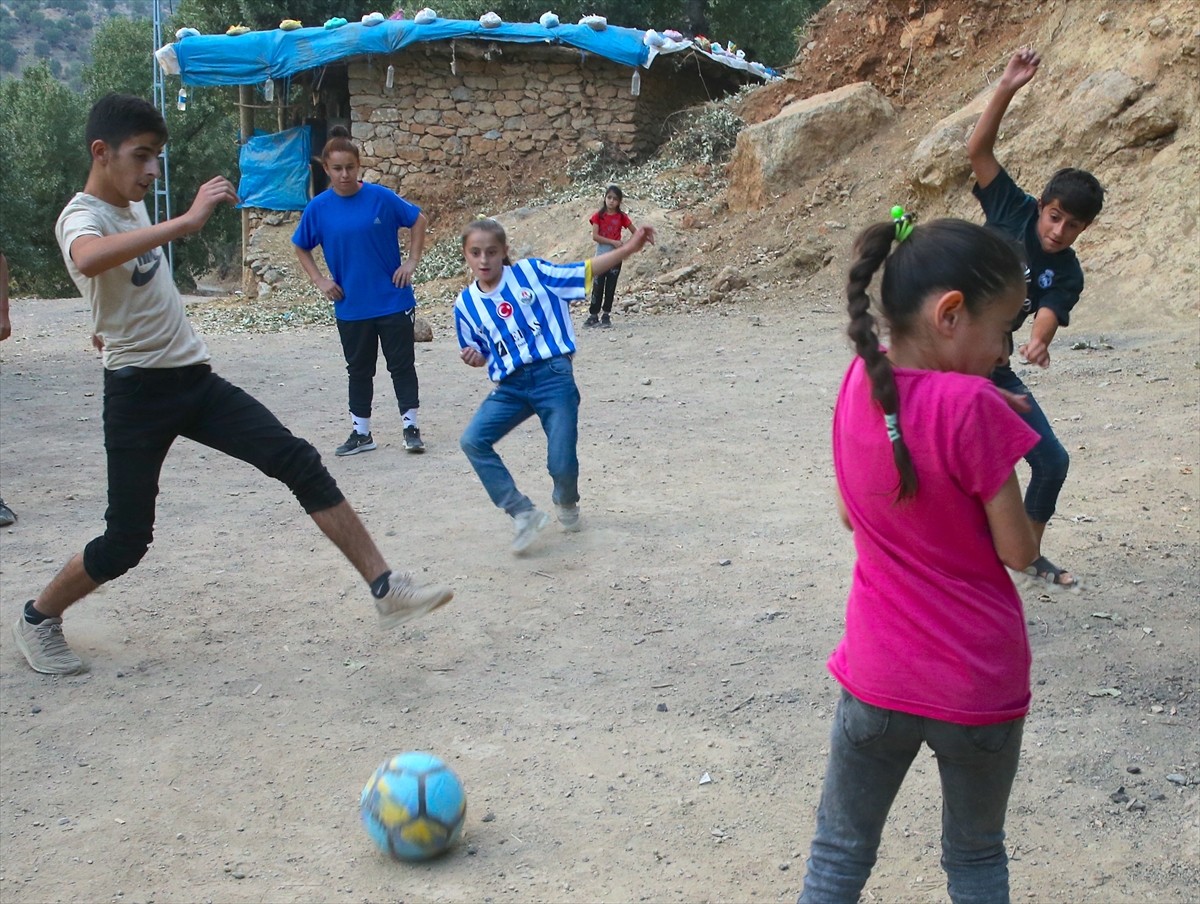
460, 119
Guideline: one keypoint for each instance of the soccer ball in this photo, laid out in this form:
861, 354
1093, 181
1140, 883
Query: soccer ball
413, 806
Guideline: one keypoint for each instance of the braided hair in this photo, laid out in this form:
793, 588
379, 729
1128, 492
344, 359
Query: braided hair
940, 256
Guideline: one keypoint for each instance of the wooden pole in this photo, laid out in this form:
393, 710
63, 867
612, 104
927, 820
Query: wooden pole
245, 131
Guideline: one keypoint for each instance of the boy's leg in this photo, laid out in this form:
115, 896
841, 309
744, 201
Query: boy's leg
597, 297
977, 767
555, 399
505, 407
870, 751
232, 421
360, 345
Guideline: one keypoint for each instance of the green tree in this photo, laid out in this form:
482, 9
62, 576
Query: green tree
202, 139
41, 125
8, 57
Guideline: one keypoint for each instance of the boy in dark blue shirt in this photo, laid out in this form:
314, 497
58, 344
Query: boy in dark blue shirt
1046, 228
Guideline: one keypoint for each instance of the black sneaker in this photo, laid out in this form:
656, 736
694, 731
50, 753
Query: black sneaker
605, 322
592, 320
355, 444
412, 440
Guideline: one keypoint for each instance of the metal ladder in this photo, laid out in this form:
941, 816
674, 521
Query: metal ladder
162, 186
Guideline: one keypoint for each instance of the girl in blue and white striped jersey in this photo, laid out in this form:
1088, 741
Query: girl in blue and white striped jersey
515, 319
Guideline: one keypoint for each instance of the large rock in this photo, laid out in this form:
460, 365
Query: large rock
805, 137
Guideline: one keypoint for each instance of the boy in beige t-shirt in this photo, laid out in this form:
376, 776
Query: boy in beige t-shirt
158, 386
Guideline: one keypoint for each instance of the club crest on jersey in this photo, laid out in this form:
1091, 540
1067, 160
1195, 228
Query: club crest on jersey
504, 309
1046, 279
526, 296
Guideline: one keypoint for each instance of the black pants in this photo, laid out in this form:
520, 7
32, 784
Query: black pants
604, 288
361, 342
145, 411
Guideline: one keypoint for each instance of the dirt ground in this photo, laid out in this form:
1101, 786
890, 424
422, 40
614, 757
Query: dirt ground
240, 693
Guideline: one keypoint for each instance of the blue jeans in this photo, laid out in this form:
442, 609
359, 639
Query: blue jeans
547, 389
869, 755
1048, 460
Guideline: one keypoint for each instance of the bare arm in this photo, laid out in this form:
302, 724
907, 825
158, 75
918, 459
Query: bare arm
416, 247
641, 237
96, 254
324, 284
981, 145
842, 513
1037, 349
1012, 532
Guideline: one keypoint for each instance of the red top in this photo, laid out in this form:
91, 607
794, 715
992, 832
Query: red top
611, 224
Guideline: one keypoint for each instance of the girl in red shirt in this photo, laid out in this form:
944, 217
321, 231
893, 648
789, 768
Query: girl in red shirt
607, 224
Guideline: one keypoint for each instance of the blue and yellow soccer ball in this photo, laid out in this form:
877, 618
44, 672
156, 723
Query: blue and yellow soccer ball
414, 806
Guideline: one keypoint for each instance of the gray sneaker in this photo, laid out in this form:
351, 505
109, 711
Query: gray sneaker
46, 648
568, 518
406, 600
526, 526
356, 443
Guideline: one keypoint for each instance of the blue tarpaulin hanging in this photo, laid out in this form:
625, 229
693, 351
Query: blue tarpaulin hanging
275, 170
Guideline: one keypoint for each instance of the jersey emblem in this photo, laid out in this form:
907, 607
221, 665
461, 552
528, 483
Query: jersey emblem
526, 296
504, 309
1046, 280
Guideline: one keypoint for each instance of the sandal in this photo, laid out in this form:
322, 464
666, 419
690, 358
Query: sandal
1045, 570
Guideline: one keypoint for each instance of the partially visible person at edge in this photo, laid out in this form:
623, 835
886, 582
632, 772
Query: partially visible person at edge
159, 386
1047, 227
7, 515
516, 320
608, 226
357, 225
935, 649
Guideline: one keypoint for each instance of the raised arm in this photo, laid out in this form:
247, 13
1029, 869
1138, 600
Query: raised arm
96, 254
642, 236
1022, 67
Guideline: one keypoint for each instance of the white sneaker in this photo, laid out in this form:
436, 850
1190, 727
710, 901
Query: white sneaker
46, 648
527, 525
406, 600
568, 518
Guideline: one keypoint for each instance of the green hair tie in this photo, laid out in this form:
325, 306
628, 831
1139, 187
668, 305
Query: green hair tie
904, 222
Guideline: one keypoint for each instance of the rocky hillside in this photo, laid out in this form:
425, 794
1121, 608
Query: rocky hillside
1117, 94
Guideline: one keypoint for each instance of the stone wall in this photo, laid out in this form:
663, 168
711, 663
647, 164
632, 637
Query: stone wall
465, 119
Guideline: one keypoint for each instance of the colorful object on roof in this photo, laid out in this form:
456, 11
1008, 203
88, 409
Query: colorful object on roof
397, 15
548, 20
289, 24
375, 18
595, 23
235, 30
186, 33
425, 16
490, 20
335, 22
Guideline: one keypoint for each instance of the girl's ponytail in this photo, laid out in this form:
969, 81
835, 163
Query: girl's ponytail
870, 251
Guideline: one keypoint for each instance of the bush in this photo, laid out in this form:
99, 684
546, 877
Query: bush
706, 134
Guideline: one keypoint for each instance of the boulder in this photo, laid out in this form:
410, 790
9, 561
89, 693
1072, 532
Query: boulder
422, 331
805, 137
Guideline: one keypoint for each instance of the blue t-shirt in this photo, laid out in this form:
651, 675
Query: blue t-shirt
526, 318
1054, 281
358, 237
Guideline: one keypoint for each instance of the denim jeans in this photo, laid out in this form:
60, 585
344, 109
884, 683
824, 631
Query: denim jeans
361, 341
1048, 460
547, 389
145, 411
869, 754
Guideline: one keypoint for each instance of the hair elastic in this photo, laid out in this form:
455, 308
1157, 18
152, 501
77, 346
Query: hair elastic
904, 222
893, 426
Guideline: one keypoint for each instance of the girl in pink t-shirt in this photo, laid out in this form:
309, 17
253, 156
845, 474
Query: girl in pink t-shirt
608, 224
935, 649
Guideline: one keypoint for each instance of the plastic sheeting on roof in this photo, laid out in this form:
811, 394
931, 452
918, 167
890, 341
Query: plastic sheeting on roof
259, 55
275, 170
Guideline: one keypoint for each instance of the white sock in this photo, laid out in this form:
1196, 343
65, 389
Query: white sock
361, 424
410, 417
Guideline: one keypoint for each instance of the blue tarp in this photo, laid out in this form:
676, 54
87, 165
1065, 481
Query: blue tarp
275, 170
258, 55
